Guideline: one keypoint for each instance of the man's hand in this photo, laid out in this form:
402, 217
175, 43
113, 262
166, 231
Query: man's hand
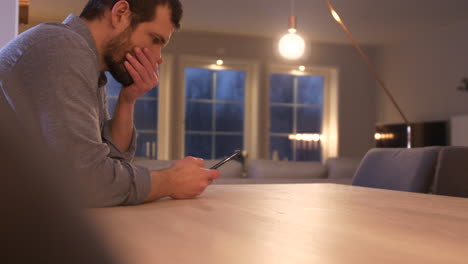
184, 180
143, 70
145, 77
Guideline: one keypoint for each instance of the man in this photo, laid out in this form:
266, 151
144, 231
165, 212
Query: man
52, 76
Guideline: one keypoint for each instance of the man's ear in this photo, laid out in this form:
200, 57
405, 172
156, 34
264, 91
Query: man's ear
121, 15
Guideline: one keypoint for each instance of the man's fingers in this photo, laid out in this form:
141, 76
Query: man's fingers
144, 59
151, 57
212, 174
136, 77
139, 68
147, 64
215, 174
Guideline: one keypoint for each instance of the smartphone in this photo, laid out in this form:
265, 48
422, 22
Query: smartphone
217, 165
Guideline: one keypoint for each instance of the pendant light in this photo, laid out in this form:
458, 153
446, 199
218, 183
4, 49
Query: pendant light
291, 45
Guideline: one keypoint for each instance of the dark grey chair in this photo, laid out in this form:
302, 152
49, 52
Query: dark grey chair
451, 177
401, 169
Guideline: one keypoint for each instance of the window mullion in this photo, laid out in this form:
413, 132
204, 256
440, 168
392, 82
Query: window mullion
294, 116
213, 120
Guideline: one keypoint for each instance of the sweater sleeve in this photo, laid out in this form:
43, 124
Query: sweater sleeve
114, 151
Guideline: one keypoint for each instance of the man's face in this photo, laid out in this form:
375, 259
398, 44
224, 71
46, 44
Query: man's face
153, 35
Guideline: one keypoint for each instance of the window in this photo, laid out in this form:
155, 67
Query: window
145, 117
205, 110
296, 110
214, 112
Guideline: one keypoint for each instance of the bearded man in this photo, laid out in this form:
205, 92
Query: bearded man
53, 79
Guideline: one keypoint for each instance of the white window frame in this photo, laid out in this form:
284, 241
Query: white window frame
330, 119
164, 106
251, 110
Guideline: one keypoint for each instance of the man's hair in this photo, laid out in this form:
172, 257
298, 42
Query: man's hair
142, 10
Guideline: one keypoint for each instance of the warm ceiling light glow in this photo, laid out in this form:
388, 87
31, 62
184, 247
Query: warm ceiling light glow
291, 46
219, 62
336, 16
302, 68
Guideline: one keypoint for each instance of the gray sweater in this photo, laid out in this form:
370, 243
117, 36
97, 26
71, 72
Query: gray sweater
52, 79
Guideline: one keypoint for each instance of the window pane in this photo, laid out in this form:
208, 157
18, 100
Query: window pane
282, 145
198, 116
111, 102
153, 93
310, 90
230, 117
230, 85
226, 145
198, 83
112, 87
146, 114
308, 151
198, 146
281, 118
281, 88
309, 120
142, 138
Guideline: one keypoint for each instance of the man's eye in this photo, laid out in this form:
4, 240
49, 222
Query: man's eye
156, 41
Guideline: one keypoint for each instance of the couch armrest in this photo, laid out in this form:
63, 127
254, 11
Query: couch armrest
339, 168
285, 169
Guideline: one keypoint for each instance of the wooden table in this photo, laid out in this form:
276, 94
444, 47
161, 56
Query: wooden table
291, 223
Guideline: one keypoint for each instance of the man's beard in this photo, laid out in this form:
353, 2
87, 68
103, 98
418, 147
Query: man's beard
114, 56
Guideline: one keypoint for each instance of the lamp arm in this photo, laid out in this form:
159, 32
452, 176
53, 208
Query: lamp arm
366, 60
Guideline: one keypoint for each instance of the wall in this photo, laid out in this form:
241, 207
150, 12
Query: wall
423, 72
356, 88
8, 20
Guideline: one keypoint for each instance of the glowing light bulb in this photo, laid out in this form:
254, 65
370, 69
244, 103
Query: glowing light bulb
378, 136
291, 46
219, 62
302, 68
336, 16
316, 137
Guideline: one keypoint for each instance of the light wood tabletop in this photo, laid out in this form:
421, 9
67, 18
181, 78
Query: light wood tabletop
290, 223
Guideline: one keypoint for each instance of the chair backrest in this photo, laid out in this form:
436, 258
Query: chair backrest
400, 169
451, 176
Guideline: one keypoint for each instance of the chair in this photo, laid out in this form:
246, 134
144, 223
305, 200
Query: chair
451, 176
399, 169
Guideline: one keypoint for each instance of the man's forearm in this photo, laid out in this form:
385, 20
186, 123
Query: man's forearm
122, 124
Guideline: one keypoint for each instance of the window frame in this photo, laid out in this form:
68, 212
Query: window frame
329, 105
251, 110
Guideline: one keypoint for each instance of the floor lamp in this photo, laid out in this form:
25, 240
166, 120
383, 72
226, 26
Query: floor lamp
372, 69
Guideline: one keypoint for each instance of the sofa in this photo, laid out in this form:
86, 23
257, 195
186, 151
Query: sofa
333, 170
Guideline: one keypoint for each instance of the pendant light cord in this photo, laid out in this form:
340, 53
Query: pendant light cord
292, 7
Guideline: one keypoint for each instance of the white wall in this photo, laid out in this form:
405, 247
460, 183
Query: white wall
8, 20
423, 73
356, 88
